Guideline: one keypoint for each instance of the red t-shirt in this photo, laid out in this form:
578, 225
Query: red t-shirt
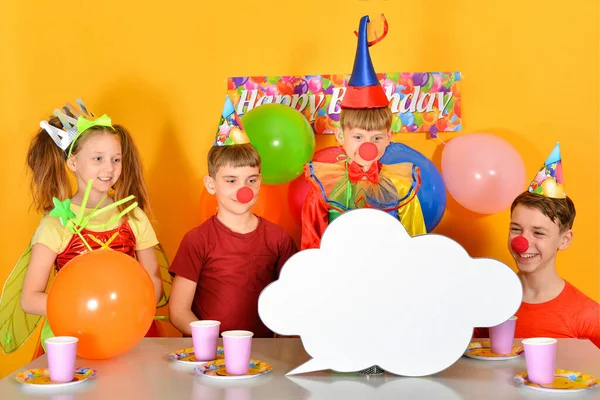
231, 269
571, 314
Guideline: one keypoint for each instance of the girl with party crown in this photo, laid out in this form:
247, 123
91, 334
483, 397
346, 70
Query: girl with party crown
107, 167
358, 179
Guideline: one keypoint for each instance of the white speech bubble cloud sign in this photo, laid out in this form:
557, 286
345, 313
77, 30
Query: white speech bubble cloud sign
372, 295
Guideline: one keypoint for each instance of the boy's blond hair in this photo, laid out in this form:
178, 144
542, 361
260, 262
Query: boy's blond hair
369, 119
236, 155
560, 211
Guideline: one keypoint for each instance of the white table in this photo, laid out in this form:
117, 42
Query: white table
145, 373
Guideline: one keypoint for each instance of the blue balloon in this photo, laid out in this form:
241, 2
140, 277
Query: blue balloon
407, 119
432, 193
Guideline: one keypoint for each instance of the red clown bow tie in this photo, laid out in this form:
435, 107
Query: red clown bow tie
356, 173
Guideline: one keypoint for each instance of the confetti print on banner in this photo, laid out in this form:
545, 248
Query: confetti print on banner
420, 101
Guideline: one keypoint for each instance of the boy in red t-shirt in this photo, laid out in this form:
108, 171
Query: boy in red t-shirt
222, 265
541, 225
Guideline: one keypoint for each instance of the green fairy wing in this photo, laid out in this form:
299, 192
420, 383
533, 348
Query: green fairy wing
16, 326
167, 279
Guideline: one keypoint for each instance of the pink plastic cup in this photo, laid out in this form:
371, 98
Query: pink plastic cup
237, 346
62, 353
502, 336
540, 357
205, 335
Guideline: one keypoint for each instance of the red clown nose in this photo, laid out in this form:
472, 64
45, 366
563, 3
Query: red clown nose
519, 244
245, 195
368, 151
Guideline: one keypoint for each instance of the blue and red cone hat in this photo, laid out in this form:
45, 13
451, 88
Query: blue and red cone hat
364, 89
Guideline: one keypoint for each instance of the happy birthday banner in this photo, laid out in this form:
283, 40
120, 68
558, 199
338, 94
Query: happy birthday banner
420, 102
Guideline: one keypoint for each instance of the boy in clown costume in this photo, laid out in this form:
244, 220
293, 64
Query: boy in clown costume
541, 226
358, 179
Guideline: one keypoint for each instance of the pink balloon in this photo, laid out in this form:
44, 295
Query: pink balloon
388, 86
437, 83
297, 192
483, 172
315, 85
271, 90
250, 85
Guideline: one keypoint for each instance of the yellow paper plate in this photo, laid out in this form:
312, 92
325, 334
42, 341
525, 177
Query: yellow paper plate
41, 377
187, 356
216, 369
564, 381
483, 351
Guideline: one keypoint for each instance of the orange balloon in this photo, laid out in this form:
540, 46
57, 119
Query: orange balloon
431, 117
271, 199
455, 88
285, 88
338, 80
323, 125
234, 96
442, 124
272, 204
106, 299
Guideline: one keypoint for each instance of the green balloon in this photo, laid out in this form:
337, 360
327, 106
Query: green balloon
396, 124
394, 76
283, 138
418, 119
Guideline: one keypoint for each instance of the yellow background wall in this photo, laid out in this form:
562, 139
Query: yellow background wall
530, 76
